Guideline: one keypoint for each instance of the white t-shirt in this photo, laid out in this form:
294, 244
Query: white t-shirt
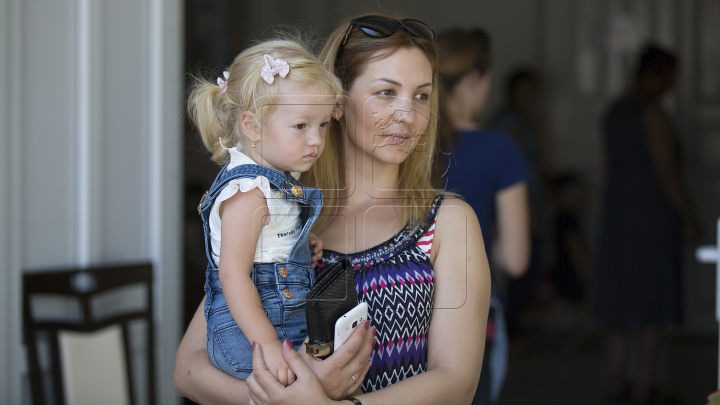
277, 237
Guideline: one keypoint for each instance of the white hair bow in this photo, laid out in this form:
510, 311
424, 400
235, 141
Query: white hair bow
280, 67
223, 83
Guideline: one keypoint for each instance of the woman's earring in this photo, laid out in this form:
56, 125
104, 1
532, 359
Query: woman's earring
253, 144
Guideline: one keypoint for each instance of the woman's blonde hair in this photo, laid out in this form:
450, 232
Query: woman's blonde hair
329, 172
216, 113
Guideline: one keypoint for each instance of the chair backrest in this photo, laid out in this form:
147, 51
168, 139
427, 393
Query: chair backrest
78, 339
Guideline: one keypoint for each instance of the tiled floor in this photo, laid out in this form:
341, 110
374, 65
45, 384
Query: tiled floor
570, 369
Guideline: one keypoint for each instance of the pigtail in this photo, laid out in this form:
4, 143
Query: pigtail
208, 110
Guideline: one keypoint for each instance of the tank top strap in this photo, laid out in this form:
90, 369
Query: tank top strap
425, 241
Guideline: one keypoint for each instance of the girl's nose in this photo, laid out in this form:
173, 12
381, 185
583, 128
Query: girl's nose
317, 137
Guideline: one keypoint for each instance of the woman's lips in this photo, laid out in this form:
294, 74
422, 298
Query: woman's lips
397, 138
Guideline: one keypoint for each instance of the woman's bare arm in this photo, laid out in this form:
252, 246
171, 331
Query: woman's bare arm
513, 227
196, 378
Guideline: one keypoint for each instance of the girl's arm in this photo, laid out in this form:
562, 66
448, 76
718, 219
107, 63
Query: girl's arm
243, 216
457, 331
196, 378
513, 226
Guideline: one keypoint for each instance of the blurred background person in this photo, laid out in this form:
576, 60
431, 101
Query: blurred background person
486, 168
571, 270
645, 208
519, 118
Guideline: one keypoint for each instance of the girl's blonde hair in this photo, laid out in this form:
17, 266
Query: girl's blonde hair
328, 173
216, 113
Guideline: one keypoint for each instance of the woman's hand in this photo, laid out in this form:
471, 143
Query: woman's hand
266, 390
341, 374
275, 362
333, 376
316, 246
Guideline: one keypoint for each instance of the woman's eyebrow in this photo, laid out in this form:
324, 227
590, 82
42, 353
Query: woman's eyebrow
396, 83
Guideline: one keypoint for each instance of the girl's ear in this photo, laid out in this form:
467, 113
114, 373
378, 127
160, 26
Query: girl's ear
249, 127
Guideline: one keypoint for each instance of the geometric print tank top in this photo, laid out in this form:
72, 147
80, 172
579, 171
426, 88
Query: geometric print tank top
397, 281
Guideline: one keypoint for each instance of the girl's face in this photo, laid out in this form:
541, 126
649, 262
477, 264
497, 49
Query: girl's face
387, 108
293, 136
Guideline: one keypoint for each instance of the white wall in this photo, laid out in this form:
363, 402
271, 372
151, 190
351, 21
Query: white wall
90, 123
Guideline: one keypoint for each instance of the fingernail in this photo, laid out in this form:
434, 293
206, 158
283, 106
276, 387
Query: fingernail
253, 345
367, 324
288, 343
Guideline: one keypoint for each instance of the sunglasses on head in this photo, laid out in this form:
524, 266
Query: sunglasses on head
381, 27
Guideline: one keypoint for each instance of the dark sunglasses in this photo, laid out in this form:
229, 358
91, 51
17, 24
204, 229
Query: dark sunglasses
381, 27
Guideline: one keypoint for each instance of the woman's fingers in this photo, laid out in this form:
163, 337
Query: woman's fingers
359, 379
262, 383
351, 359
296, 364
290, 376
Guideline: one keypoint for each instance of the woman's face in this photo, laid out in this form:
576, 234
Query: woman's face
387, 109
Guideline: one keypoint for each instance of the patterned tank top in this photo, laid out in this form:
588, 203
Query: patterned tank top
396, 279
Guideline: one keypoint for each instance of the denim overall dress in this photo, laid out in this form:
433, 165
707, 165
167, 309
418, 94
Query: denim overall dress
282, 287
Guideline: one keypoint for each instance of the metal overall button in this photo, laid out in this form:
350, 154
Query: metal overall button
283, 272
287, 293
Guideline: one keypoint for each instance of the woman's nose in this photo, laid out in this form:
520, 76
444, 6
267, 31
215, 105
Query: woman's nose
406, 112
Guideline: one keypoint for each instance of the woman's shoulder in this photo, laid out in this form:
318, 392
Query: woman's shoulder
453, 214
454, 217
453, 209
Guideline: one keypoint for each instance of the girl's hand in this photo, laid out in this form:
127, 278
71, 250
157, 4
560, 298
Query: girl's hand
266, 390
316, 246
336, 372
276, 364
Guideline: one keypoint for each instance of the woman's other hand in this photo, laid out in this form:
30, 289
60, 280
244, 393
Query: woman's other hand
349, 360
266, 390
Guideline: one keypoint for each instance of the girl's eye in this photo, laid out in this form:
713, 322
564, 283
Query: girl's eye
301, 126
422, 96
386, 93
324, 124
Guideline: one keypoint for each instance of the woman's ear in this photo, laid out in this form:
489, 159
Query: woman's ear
249, 127
338, 111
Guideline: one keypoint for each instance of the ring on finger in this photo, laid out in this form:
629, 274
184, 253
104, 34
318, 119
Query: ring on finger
354, 379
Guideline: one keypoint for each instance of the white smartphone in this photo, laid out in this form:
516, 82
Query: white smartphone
346, 324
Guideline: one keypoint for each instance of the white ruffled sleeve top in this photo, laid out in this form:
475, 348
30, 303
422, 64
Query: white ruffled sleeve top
277, 237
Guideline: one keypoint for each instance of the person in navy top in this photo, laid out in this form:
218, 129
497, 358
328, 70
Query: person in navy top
487, 169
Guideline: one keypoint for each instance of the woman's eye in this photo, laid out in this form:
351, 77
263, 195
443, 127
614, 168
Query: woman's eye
324, 124
301, 126
422, 96
386, 93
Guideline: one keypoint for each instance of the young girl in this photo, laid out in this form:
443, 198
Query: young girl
266, 117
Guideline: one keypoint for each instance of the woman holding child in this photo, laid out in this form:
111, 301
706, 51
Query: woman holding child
419, 257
